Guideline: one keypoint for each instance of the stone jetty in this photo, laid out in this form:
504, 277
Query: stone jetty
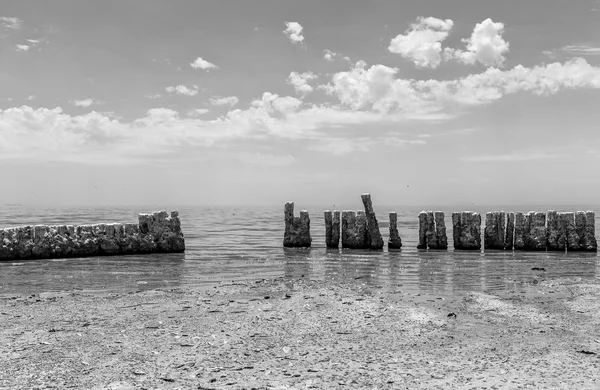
158, 232
466, 229
394, 242
297, 229
432, 230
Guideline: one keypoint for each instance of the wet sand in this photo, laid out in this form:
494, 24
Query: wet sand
297, 334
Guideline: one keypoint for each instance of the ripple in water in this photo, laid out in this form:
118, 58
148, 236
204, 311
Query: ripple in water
245, 244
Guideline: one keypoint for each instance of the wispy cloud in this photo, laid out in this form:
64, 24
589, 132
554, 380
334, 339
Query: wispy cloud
183, 90
582, 50
294, 32
85, 103
200, 63
10, 22
224, 101
22, 47
199, 111
513, 157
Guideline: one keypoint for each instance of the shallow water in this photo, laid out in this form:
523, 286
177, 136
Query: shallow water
245, 244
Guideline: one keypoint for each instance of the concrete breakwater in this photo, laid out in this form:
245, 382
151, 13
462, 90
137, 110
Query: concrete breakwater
533, 231
154, 233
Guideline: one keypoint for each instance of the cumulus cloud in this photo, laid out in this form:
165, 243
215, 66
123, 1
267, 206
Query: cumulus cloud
374, 96
225, 101
22, 47
485, 45
85, 103
10, 22
294, 32
300, 82
376, 88
422, 42
183, 90
31, 97
328, 55
200, 63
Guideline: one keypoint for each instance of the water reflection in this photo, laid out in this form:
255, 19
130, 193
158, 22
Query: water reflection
245, 244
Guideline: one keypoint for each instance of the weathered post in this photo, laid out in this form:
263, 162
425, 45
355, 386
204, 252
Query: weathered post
430, 234
585, 228
466, 227
535, 240
422, 230
520, 231
297, 229
376, 241
509, 237
332, 229
555, 234
394, 242
494, 232
354, 230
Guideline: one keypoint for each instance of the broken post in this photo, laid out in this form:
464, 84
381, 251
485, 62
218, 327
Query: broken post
376, 241
354, 230
297, 229
394, 241
509, 237
432, 230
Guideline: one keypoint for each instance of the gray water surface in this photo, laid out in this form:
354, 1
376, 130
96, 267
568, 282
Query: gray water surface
245, 244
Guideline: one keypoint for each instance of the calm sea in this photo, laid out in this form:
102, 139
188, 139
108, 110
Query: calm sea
245, 244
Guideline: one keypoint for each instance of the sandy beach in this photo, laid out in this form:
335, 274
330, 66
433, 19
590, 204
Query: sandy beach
298, 334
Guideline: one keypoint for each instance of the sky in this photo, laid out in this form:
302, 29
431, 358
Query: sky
259, 102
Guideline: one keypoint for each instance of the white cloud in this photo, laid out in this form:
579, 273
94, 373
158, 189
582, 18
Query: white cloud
581, 50
85, 103
300, 82
31, 97
328, 55
183, 90
153, 96
224, 101
422, 42
10, 22
199, 111
22, 47
294, 32
485, 45
200, 63
377, 89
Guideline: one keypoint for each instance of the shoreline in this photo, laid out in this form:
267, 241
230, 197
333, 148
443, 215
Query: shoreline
296, 333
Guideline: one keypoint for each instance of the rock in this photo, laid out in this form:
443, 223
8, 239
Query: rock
509, 237
494, 232
376, 241
423, 226
394, 241
297, 229
466, 228
42, 242
555, 235
535, 237
354, 230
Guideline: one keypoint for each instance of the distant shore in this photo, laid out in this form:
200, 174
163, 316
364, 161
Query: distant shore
296, 333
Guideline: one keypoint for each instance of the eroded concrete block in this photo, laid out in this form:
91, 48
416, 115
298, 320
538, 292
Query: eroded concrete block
432, 230
509, 237
495, 230
466, 228
297, 229
354, 230
555, 234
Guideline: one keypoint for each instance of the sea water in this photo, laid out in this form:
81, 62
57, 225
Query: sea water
244, 244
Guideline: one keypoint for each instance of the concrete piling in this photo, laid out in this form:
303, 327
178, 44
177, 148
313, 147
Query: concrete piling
394, 242
297, 229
